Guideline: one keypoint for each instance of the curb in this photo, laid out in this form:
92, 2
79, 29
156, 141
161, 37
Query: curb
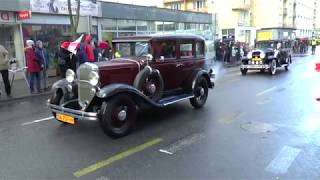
8, 100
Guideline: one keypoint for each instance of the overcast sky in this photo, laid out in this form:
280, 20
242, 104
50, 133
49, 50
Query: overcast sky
139, 2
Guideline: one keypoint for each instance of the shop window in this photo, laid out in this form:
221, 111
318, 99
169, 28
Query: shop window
179, 26
142, 26
159, 26
186, 50
124, 34
166, 49
168, 26
109, 24
199, 49
126, 25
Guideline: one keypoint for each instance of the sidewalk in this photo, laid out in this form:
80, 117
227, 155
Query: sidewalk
20, 90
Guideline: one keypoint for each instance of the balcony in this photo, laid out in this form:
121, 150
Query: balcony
171, 1
241, 7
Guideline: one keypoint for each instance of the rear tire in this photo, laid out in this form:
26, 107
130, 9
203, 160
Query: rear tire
117, 116
200, 93
262, 70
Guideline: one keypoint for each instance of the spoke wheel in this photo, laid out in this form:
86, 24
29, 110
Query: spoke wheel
273, 67
200, 93
118, 115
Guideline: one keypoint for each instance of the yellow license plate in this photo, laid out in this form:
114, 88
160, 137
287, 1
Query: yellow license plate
257, 59
65, 118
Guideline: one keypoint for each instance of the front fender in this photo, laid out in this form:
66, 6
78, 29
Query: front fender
68, 89
114, 89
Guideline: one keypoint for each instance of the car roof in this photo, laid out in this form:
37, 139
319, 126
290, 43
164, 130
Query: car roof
145, 38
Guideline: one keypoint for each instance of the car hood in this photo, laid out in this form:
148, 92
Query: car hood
118, 63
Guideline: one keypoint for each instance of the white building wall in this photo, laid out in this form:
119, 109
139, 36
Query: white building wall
304, 17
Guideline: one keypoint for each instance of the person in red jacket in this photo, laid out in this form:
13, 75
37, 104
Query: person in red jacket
89, 49
34, 66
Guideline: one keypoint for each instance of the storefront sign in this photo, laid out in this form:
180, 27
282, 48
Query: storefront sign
22, 15
6, 17
87, 7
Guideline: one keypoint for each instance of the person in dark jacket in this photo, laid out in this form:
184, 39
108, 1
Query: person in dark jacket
64, 58
34, 66
43, 56
4, 66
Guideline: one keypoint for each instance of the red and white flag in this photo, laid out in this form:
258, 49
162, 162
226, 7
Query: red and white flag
73, 45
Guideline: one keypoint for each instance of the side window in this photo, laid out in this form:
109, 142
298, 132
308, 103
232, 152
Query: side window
167, 49
186, 50
199, 49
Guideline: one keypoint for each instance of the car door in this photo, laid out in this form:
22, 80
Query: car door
165, 60
186, 61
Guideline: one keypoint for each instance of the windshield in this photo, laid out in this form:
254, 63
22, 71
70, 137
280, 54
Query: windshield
265, 45
132, 49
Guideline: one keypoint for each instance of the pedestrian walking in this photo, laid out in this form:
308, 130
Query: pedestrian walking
4, 69
43, 56
96, 52
34, 66
313, 45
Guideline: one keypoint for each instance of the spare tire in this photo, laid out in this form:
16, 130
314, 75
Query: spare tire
150, 82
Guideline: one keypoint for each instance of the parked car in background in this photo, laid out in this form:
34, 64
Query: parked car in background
151, 72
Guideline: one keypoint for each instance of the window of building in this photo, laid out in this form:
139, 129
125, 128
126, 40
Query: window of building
179, 26
199, 49
126, 25
186, 50
109, 24
198, 4
142, 25
168, 26
176, 6
167, 49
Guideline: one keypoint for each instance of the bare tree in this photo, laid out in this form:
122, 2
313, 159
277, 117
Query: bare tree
74, 18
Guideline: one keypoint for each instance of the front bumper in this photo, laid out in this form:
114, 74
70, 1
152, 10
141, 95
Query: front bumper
255, 66
78, 114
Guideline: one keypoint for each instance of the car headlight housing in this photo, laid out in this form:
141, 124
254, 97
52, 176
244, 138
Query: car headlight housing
249, 55
262, 55
70, 75
93, 78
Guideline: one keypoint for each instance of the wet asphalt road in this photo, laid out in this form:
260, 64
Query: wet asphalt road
253, 127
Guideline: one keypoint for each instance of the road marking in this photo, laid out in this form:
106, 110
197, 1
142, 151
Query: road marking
115, 158
266, 91
282, 162
182, 143
37, 121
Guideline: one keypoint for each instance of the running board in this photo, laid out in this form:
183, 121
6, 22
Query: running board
173, 99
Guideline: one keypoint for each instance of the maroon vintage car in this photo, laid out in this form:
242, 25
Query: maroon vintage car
148, 71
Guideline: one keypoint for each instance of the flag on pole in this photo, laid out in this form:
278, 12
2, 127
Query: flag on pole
73, 45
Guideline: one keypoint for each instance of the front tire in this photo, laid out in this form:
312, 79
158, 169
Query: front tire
273, 67
117, 116
244, 71
200, 93
57, 99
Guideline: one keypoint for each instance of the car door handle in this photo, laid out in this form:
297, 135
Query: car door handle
179, 65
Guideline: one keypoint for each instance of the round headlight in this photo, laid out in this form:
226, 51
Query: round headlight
70, 75
262, 55
94, 78
249, 55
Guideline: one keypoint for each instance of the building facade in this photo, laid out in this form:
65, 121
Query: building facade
48, 21
233, 17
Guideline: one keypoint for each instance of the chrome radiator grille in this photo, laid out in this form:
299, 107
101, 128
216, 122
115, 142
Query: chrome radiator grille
86, 91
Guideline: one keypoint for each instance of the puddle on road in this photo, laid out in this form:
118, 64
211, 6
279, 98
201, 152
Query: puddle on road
258, 127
